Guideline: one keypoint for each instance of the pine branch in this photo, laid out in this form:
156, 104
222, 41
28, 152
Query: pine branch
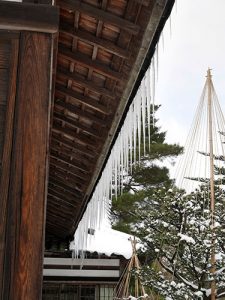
216, 157
178, 276
222, 133
193, 264
199, 179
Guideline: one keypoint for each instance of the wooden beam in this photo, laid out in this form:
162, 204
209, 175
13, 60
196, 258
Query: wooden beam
28, 177
143, 2
94, 40
63, 220
51, 261
57, 199
79, 112
55, 170
64, 166
5, 152
74, 163
58, 192
64, 178
28, 16
61, 209
79, 136
79, 125
84, 82
55, 229
86, 100
60, 227
100, 14
71, 153
67, 186
87, 62
69, 143
81, 273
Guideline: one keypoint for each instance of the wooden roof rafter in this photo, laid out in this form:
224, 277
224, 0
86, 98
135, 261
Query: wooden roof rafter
85, 61
102, 46
81, 98
101, 15
78, 79
95, 41
71, 143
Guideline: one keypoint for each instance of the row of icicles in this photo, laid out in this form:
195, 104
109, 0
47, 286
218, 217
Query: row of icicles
125, 152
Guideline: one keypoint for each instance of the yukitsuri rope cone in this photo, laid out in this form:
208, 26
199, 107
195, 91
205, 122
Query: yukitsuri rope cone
130, 286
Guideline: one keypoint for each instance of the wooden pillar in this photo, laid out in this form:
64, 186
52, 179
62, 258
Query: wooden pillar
9, 46
23, 227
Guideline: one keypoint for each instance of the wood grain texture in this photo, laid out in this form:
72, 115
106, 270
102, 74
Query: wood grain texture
102, 47
90, 102
5, 50
7, 100
93, 40
28, 16
28, 180
3, 85
85, 61
101, 15
87, 84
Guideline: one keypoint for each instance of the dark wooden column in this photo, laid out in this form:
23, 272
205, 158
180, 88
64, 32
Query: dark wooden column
23, 178
9, 45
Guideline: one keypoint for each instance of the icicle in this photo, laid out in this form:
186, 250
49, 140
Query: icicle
139, 124
153, 91
157, 61
143, 112
135, 132
162, 39
170, 21
123, 155
148, 107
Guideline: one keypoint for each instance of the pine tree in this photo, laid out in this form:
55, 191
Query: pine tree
174, 227
146, 175
176, 234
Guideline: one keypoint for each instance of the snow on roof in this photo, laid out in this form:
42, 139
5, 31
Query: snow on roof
109, 241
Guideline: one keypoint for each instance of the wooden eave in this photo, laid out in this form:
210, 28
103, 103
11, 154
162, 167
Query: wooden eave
104, 48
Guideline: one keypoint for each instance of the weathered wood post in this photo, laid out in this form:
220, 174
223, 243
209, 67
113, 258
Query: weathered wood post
26, 49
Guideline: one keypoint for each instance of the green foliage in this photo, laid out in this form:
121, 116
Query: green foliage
175, 230
147, 175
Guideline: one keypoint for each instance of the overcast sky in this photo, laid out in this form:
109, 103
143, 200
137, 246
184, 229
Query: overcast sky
197, 41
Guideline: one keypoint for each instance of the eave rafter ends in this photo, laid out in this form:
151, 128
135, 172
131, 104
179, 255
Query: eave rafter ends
94, 40
100, 15
95, 105
89, 63
85, 83
101, 50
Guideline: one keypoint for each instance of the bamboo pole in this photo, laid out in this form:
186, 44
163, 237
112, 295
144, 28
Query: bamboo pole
212, 192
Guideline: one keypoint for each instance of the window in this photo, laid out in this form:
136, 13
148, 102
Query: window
69, 292
87, 292
51, 292
106, 292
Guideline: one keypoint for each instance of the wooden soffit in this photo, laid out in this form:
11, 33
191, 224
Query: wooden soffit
104, 48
